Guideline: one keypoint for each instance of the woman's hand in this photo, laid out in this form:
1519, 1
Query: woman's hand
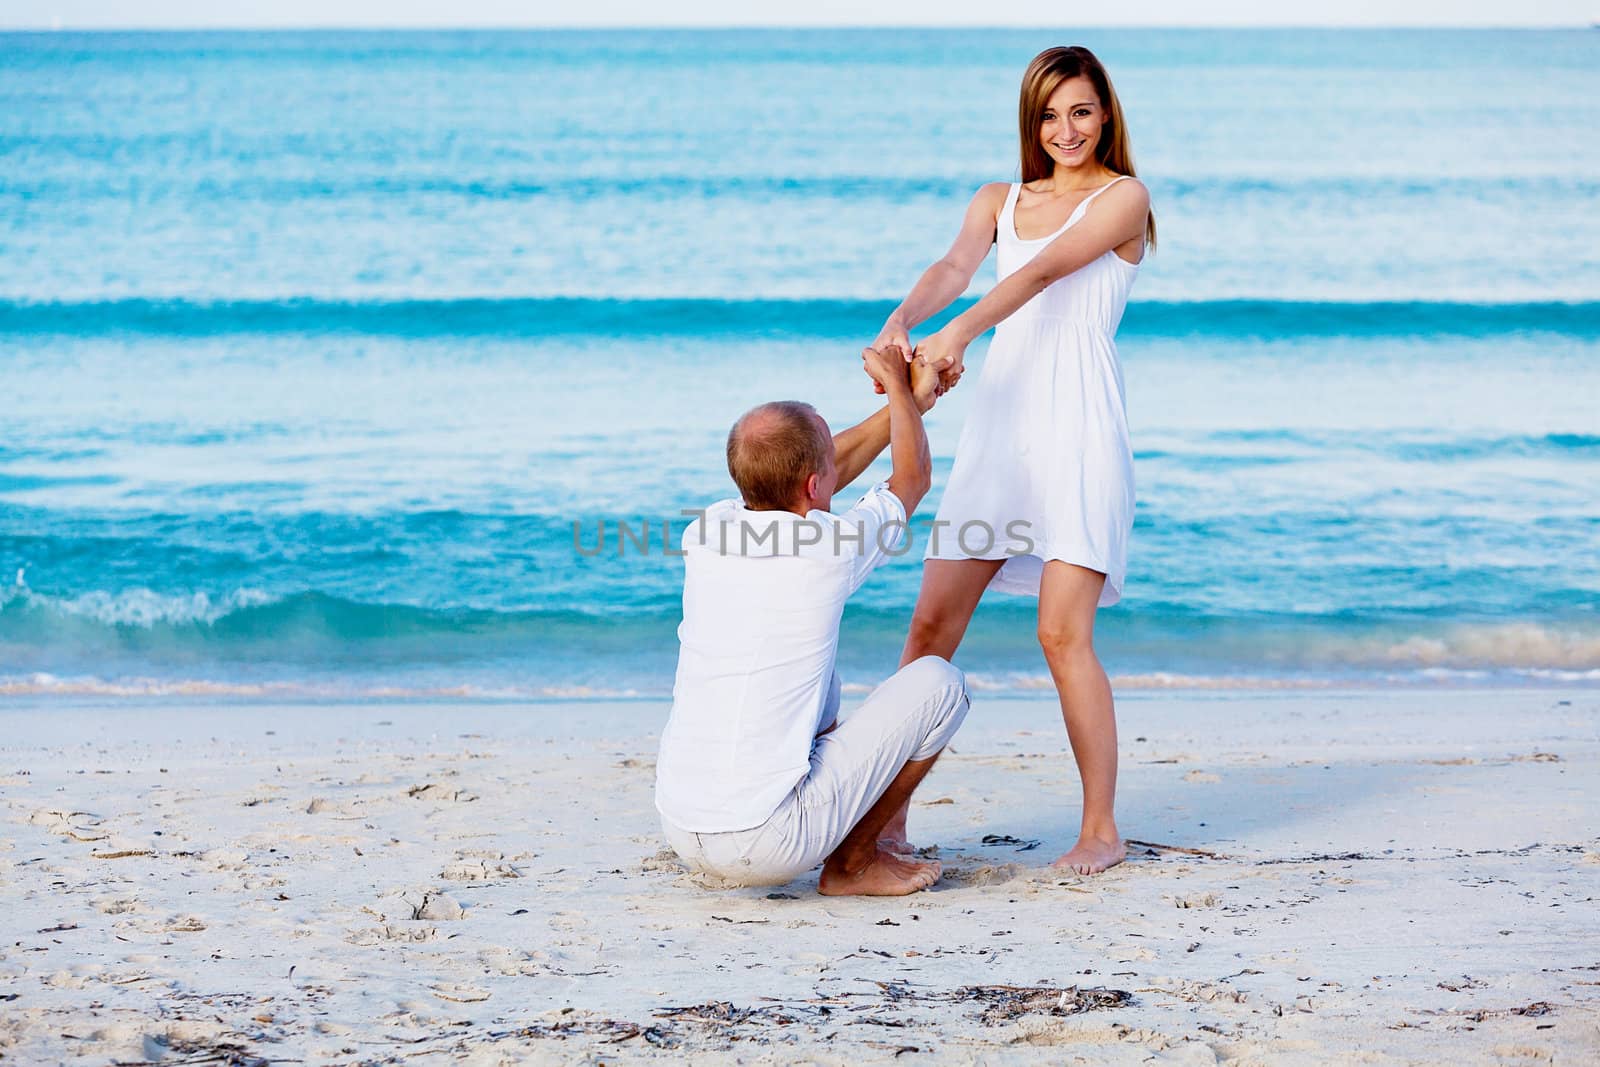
891, 334
945, 354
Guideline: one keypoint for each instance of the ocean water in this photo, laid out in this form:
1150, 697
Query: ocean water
354, 364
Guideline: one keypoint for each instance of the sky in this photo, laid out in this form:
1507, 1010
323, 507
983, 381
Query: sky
99, 14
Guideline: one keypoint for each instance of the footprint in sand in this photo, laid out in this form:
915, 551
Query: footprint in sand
809, 963
381, 934
192, 1036
66, 980
568, 921
1203, 777
116, 905
264, 793
355, 808
415, 1019
501, 960
226, 859
78, 825
441, 793
418, 905
251, 885
977, 877
458, 993
1197, 992
1128, 953
478, 871
439, 908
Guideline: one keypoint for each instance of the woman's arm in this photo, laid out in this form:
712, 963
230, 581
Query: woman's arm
949, 277
1112, 220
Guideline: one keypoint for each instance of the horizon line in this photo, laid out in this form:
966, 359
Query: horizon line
788, 27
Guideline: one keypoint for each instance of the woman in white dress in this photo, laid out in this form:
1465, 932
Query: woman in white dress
1040, 500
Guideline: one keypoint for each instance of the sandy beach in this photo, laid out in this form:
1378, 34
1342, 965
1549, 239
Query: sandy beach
1376, 877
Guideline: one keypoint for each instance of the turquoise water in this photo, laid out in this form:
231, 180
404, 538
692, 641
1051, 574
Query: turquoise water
316, 347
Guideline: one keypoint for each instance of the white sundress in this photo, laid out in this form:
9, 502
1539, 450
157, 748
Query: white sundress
1046, 440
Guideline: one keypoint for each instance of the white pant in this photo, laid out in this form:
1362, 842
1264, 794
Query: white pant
911, 716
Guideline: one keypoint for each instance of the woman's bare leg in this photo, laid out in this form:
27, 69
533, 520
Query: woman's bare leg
951, 589
1068, 596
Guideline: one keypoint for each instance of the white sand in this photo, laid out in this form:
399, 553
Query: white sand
1401, 877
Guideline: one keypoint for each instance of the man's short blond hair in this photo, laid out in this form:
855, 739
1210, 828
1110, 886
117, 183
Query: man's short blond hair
772, 450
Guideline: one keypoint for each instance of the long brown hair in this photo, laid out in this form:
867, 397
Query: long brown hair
1044, 75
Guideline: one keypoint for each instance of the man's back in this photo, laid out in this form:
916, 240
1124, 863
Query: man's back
763, 595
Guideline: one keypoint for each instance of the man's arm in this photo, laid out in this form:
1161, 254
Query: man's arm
855, 448
911, 472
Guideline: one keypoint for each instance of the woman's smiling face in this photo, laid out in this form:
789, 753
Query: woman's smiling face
1070, 127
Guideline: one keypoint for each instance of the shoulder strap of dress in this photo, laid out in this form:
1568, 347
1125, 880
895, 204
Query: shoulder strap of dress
1103, 188
1011, 200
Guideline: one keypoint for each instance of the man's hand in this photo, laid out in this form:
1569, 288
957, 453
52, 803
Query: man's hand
926, 386
887, 366
891, 334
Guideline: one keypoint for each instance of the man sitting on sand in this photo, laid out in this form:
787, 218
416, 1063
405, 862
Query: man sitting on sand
756, 781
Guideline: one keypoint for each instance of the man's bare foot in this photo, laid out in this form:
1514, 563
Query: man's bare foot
886, 876
1091, 855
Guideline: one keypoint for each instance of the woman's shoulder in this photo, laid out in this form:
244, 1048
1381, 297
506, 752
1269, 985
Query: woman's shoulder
989, 201
1127, 187
996, 191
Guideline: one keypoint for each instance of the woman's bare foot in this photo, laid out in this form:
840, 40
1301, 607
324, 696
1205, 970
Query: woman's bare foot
893, 838
897, 845
1091, 855
887, 875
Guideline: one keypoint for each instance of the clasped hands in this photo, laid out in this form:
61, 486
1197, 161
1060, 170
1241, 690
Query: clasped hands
939, 357
888, 364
